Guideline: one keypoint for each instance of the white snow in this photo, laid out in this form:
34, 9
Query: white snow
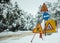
54, 38
11, 33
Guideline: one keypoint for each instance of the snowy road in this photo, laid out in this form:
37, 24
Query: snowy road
54, 38
12, 36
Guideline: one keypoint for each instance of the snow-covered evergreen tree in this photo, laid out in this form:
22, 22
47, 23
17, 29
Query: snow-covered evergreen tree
9, 14
29, 23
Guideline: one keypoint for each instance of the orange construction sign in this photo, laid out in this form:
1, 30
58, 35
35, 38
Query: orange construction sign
44, 8
50, 26
38, 29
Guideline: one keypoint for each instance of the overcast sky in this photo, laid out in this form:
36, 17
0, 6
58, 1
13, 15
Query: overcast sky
31, 6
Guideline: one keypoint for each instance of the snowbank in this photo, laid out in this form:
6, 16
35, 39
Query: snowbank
11, 33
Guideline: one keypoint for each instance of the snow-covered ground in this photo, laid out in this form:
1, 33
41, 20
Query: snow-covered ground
54, 38
11, 33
